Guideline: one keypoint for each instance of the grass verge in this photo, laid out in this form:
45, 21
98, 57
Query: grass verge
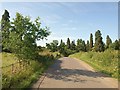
105, 62
25, 77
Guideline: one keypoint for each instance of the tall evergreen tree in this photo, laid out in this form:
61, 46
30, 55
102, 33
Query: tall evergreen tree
117, 45
78, 42
62, 47
73, 45
81, 46
78, 45
97, 35
68, 43
84, 46
91, 41
5, 29
87, 46
108, 41
99, 45
5, 20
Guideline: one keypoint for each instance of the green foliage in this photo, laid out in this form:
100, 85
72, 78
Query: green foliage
5, 25
15, 80
21, 34
53, 46
87, 46
80, 45
106, 62
91, 42
8, 58
73, 46
33, 70
68, 43
108, 41
63, 49
115, 45
99, 44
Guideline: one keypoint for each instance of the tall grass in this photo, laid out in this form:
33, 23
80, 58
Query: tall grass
106, 62
26, 77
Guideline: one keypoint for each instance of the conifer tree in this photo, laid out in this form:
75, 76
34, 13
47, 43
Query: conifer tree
108, 41
91, 41
5, 29
87, 46
68, 43
73, 45
99, 45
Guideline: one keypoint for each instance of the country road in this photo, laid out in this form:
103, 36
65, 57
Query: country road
73, 73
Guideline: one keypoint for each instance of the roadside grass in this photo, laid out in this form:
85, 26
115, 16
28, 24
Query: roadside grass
8, 58
26, 77
105, 62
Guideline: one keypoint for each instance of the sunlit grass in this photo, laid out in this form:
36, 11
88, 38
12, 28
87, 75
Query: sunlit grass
106, 62
28, 75
8, 58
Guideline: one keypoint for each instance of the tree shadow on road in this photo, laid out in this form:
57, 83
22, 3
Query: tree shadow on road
75, 75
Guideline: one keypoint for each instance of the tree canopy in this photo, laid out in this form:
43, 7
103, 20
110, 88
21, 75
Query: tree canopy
21, 34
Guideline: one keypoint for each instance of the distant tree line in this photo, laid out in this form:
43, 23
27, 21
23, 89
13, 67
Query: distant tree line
20, 34
70, 47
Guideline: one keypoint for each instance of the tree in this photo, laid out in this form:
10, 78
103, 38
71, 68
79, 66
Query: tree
53, 46
62, 47
48, 46
116, 45
91, 41
68, 43
87, 46
73, 45
108, 41
5, 30
81, 46
119, 43
23, 36
97, 35
99, 45
84, 46
5, 20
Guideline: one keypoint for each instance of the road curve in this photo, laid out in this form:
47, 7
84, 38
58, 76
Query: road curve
72, 73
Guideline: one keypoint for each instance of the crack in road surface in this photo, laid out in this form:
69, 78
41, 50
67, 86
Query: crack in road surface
72, 73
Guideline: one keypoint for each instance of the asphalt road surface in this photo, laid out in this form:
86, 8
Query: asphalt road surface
72, 73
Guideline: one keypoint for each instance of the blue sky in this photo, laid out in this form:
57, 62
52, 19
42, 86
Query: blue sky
72, 19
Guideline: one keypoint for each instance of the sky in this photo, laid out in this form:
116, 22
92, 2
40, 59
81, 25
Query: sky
70, 19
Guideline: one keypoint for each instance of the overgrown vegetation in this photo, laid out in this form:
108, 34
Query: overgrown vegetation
20, 34
30, 73
19, 37
106, 62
